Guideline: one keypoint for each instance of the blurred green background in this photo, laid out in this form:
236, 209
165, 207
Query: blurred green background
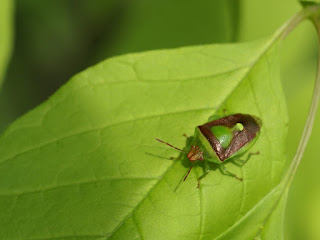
56, 39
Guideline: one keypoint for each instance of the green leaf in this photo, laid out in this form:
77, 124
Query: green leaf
85, 163
6, 18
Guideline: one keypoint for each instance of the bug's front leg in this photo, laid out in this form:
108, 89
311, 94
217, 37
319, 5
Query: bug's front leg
205, 173
226, 171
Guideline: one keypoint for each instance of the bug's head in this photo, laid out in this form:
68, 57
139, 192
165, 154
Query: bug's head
195, 154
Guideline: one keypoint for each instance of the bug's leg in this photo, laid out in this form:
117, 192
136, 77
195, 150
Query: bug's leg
185, 135
248, 157
184, 177
230, 173
205, 173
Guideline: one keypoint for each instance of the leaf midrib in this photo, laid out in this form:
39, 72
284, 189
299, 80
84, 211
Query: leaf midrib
142, 200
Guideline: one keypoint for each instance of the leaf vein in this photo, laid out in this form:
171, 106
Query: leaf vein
98, 129
249, 212
73, 184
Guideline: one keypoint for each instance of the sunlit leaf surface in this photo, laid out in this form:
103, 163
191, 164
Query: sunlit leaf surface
85, 165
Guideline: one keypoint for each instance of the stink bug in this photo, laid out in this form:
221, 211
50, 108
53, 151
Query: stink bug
222, 139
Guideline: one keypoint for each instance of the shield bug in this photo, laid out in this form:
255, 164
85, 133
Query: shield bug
222, 139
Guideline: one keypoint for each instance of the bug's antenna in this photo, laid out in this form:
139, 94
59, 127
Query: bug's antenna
188, 173
170, 145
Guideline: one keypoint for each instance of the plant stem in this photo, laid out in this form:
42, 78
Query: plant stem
311, 116
312, 12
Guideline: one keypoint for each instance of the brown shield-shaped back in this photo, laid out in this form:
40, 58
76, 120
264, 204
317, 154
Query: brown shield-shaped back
251, 126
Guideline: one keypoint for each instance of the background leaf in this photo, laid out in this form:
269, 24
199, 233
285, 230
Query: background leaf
6, 12
84, 163
309, 2
185, 23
